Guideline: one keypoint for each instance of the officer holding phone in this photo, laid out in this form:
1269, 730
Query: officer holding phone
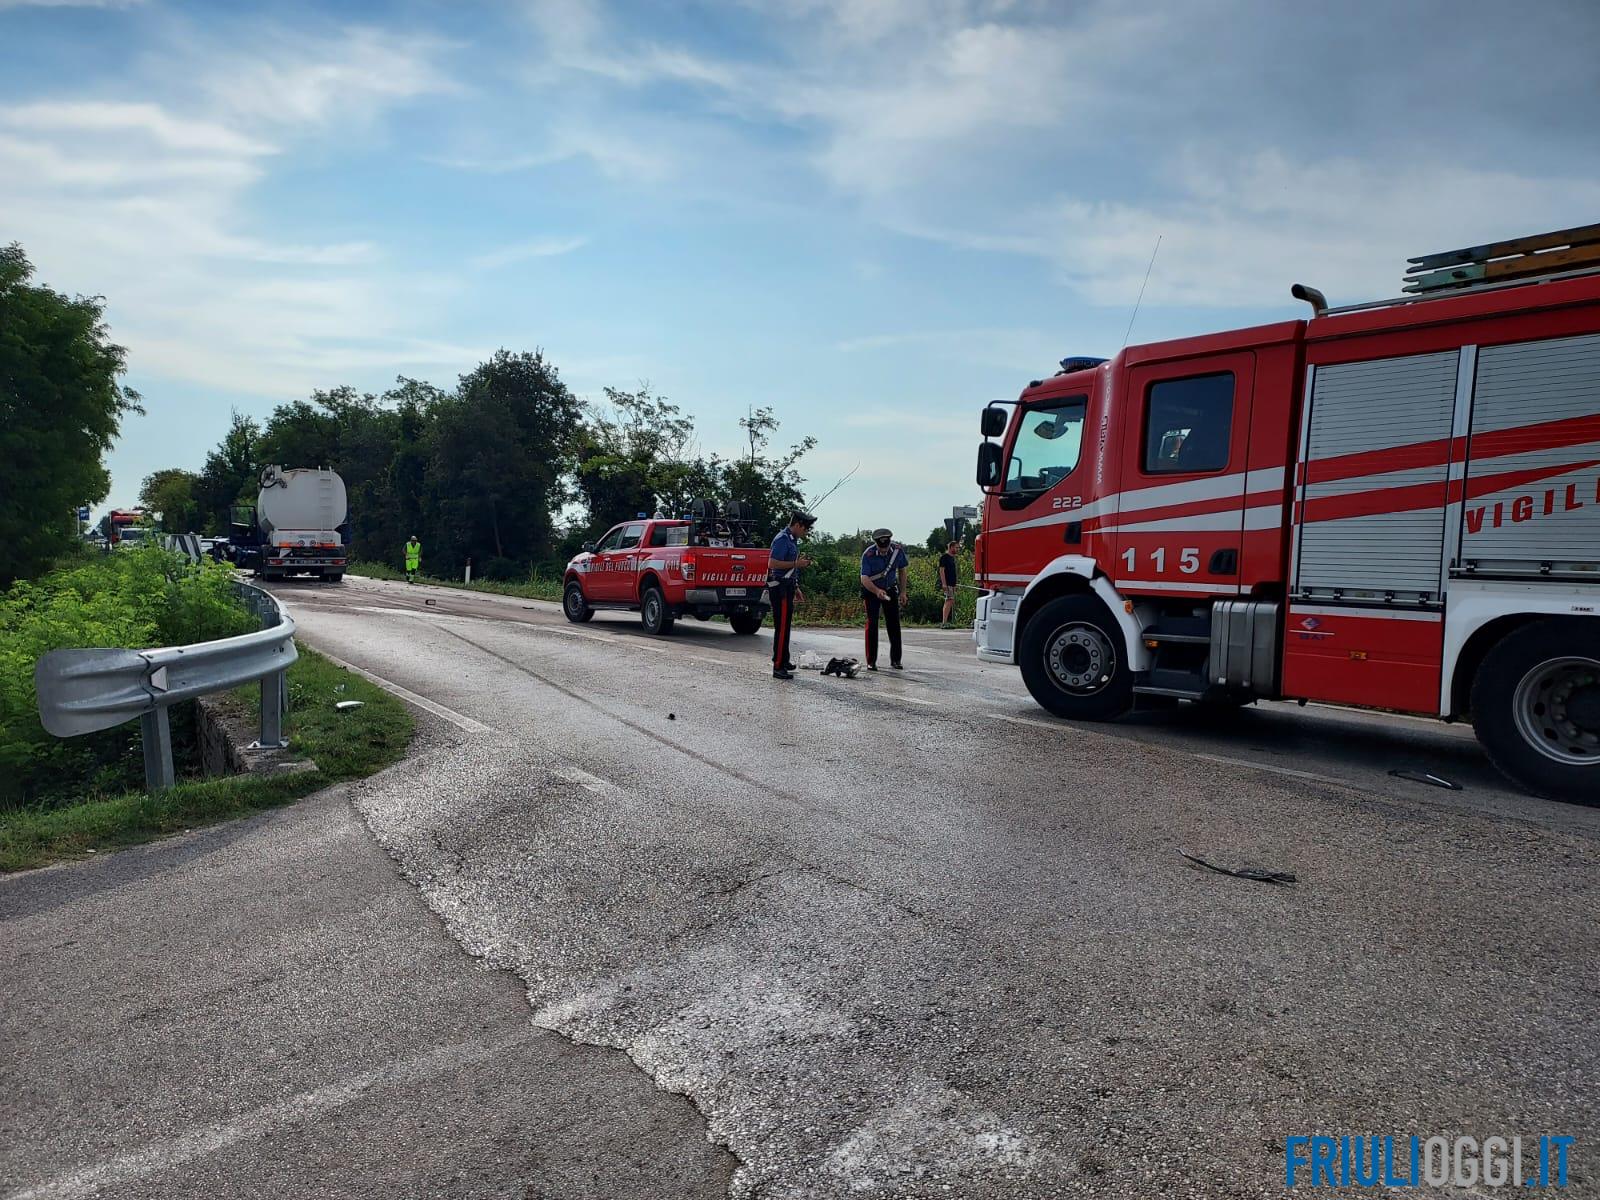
881, 567
783, 586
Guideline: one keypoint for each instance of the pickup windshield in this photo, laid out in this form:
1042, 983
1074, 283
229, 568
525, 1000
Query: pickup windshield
1048, 443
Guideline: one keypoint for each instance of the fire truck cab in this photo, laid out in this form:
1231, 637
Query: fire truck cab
1395, 505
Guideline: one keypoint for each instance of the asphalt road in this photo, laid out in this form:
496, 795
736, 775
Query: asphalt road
908, 936
267, 1009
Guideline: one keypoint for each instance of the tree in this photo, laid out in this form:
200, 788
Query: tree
770, 484
501, 453
61, 407
169, 493
230, 474
637, 454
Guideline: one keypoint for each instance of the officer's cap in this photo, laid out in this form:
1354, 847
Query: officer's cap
802, 518
882, 533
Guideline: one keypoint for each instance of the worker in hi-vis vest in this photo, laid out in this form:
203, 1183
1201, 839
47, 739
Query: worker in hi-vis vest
413, 559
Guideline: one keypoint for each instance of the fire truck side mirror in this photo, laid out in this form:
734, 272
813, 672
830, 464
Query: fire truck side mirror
990, 455
994, 421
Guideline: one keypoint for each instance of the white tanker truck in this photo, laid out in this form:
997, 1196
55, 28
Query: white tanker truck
297, 526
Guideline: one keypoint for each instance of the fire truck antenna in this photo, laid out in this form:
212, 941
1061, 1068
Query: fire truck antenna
1140, 300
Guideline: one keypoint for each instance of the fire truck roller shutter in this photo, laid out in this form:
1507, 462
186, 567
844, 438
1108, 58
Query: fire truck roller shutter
1372, 504
1533, 469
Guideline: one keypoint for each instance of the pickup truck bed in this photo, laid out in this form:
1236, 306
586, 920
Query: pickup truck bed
650, 568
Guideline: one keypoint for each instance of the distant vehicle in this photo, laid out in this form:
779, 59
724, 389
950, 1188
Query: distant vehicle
215, 547
700, 567
120, 522
130, 536
297, 526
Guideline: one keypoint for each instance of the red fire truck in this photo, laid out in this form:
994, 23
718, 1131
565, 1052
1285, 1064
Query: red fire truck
1393, 505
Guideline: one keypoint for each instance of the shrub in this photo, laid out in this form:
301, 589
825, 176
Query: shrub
133, 599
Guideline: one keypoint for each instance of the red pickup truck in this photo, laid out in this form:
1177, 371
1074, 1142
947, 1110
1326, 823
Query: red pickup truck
664, 570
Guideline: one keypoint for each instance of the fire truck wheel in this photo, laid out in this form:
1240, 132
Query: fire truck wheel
1073, 660
1536, 708
653, 612
745, 623
574, 605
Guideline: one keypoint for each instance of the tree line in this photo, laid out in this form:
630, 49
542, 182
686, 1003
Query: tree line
509, 469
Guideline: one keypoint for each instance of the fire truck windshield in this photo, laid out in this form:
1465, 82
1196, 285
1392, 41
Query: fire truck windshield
1046, 447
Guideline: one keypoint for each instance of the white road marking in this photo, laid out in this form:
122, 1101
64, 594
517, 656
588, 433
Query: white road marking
590, 783
597, 637
907, 699
1053, 725
200, 1143
403, 612
1224, 760
460, 721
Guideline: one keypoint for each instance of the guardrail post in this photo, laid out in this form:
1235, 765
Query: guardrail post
156, 733
274, 704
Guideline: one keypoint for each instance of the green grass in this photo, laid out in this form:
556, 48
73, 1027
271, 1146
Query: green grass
344, 745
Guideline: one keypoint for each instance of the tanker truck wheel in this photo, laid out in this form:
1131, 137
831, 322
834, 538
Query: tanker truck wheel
1073, 660
1536, 708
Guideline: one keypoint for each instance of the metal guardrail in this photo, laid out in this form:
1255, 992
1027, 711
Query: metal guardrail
83, 691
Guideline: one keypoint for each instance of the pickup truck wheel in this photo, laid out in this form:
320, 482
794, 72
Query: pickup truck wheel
574, 605
745, 624
1536, 708
1073, 660
334, 577
653, 612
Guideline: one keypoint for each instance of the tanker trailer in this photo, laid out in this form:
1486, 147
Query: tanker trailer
298, 527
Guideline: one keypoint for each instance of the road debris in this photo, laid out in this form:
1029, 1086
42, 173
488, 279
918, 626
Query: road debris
1426, 777
1259, 874
347, 705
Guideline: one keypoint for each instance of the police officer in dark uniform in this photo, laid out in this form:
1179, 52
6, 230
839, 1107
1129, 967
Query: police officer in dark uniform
881, 567
783, 587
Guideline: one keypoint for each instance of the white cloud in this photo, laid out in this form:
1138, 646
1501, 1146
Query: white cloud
1238, 232
150, 201
143, 120
300, 80
546, 247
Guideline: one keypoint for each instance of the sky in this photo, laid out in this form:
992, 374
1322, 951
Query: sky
874, 216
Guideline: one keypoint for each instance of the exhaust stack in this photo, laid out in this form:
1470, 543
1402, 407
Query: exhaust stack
1318, 302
